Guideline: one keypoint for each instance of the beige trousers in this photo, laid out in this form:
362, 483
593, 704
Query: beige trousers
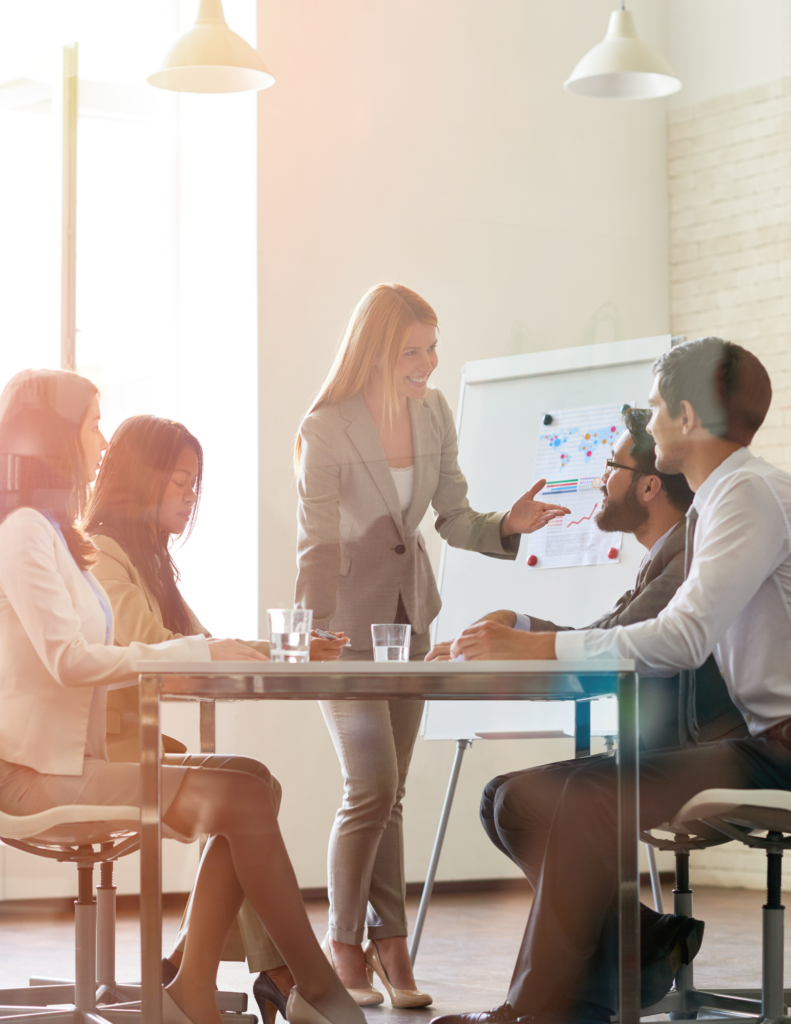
374, 740
247, 939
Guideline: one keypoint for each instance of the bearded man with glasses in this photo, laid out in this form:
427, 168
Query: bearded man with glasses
637, 498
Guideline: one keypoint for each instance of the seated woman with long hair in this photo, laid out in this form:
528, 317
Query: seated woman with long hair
145, 496
57, 659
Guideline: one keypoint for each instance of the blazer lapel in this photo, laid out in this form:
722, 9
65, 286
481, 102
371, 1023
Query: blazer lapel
420, 419
363, 435
674, 543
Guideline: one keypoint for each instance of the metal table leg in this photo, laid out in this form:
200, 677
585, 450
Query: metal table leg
628, 816
208, 742
582, 728
432, 868
208, 727
150, 852
656, 885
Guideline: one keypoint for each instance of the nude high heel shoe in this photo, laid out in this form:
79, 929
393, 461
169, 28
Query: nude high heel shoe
300, 1011
401, 998
171, 1011
362, 996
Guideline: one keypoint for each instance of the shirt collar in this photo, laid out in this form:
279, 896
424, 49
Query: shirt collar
658, 544
734, 461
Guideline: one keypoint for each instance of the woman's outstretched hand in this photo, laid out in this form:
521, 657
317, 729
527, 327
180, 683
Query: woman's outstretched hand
327, 650
528, 515
233, 650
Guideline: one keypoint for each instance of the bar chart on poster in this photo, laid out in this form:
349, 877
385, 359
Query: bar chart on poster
556, 415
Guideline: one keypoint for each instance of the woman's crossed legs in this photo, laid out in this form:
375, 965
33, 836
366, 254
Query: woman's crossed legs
245, 856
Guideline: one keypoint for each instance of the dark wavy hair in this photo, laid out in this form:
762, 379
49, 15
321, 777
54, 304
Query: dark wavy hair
126, 499
41, 457
727, 386
643, 452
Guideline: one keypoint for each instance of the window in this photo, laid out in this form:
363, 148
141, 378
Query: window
166, 255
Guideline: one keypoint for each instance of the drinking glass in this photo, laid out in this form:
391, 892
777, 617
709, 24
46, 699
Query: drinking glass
391, 641
289, 634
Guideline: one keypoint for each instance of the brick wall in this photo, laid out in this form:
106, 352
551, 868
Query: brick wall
730, 253
730, 234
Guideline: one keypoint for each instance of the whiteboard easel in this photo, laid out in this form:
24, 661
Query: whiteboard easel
500, 404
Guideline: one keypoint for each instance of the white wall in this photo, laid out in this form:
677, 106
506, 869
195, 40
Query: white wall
723, 46
434, 144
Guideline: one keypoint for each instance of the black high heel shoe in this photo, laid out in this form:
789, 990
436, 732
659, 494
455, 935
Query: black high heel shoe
270, 999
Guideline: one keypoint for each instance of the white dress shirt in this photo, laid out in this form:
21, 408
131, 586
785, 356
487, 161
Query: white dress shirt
736, 602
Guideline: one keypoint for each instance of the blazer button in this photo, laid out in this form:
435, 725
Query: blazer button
400, 549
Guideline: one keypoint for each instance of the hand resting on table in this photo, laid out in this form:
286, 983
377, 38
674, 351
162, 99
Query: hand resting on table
233, 650
490, 641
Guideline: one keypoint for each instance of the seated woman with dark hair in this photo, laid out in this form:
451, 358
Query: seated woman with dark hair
57, 659
145, 496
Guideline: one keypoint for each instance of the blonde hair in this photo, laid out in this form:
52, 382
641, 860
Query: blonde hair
377, 332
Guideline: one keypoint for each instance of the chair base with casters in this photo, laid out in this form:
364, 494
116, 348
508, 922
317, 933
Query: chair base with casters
85, 836
711, 818
110, 991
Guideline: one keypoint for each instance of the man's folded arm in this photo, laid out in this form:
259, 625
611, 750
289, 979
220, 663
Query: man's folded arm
747, 537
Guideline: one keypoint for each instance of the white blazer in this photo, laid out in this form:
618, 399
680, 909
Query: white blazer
356, 552
52, 649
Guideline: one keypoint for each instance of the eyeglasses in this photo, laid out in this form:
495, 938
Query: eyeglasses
612, 464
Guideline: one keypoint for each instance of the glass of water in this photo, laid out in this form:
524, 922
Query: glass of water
391, 641
289, 634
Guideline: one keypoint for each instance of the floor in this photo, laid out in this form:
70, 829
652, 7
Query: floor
466, 956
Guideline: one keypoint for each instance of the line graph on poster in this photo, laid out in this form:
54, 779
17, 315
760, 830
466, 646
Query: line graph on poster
573, 446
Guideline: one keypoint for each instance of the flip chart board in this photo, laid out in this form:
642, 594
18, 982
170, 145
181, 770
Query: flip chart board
502, 406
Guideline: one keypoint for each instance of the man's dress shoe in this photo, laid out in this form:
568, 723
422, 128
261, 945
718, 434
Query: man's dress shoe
504, 1014
671, 941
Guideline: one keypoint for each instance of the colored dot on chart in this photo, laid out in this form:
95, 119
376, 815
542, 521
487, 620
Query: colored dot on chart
613, 429
587, 437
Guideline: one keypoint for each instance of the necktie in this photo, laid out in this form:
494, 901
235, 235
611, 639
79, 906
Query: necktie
688, 727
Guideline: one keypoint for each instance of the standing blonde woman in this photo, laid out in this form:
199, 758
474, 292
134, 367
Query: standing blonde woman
376, 448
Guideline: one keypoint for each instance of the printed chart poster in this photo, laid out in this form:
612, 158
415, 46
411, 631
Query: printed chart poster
572, 451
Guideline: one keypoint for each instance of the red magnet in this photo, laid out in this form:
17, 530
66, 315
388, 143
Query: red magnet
612, 553
532, 560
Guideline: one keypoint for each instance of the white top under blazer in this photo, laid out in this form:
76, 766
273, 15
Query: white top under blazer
56, 651
404, 480
359, 549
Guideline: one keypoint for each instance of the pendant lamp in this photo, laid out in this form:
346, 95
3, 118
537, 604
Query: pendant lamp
211, 58
622, 67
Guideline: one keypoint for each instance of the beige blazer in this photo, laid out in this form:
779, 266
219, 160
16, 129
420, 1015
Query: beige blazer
138, 617
53, 656
356, 553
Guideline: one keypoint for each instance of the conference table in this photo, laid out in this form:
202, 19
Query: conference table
209, 682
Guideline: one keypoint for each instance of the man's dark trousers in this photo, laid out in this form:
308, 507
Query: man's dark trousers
569, 854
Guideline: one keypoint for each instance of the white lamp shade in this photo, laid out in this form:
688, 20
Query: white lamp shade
211, 58
623, 67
